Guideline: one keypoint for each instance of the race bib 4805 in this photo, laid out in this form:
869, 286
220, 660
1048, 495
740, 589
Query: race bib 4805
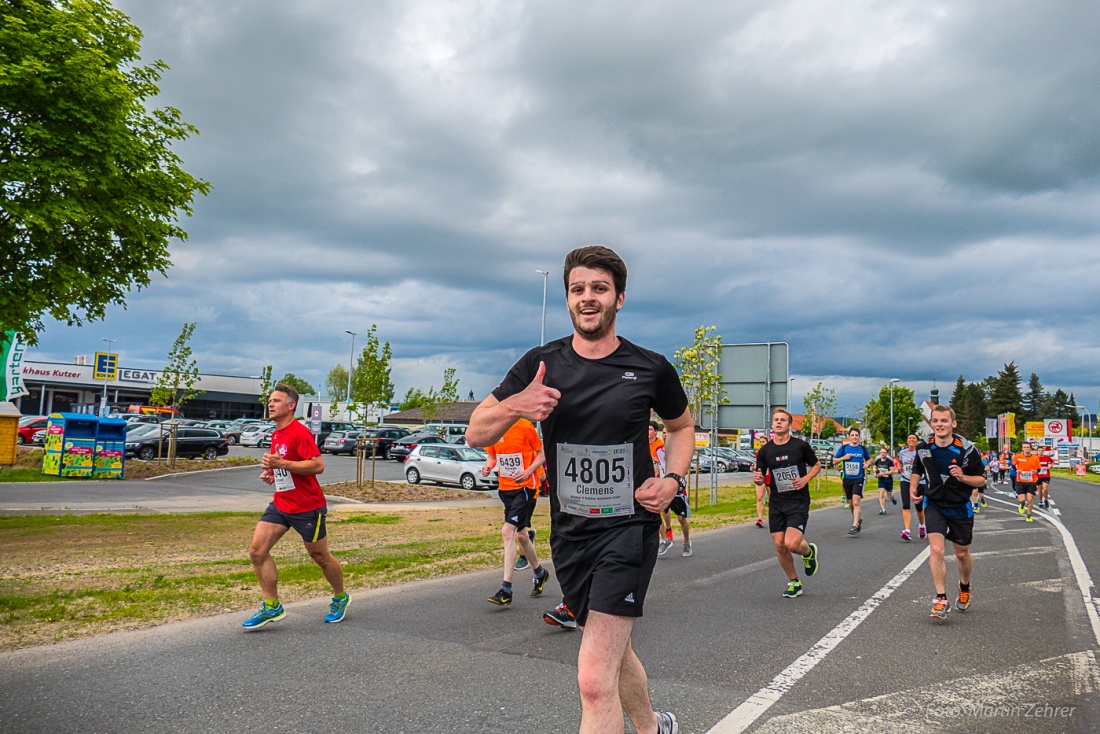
596, 481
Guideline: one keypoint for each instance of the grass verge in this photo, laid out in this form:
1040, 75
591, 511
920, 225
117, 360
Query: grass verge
73, 576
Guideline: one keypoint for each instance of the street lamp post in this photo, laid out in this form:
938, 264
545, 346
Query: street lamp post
103, 403
542, 335
893, 382
350, 358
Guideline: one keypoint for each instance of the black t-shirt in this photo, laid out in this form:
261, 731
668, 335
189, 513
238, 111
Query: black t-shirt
934, 463
883, 465
785, 462
604, 402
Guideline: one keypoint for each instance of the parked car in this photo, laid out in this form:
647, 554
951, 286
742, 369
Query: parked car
260, 436
400, 449
229, 429
190, 441
452, 432
448, 464
28, 426
737, 460
328, 427
340, 442
39, 437
379, 439
709, 460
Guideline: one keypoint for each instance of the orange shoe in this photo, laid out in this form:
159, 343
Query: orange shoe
940, 607
963, 602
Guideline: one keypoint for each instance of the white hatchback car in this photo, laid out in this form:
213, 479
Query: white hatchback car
446, 464
260, 436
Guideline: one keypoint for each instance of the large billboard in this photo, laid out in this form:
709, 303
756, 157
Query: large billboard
755, 380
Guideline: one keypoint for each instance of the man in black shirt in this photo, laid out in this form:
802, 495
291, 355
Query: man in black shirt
788, 464
952, 468
594, 392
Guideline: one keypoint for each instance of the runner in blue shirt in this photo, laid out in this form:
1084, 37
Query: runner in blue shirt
854, 460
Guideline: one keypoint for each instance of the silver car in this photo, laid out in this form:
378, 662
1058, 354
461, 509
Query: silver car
446, 464
260, 436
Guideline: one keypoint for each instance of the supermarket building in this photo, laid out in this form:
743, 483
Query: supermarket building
72, 388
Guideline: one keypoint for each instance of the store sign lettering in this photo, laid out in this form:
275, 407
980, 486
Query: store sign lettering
137, 375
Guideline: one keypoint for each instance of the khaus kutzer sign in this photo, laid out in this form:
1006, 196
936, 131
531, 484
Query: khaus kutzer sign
82, 374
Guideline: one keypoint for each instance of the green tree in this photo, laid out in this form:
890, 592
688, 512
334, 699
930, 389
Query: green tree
337, 383
90, 190
1004, 392
371, 383
302, 386
265, 386
906, 413
819, 404
414, 397
968, 400
175, 385
337, 386
698, 368
1032, 406
435, 404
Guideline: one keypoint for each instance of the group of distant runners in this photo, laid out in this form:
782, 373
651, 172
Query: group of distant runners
612, 482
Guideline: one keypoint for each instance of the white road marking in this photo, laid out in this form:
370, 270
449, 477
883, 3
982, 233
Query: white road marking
742, 717
1080, 570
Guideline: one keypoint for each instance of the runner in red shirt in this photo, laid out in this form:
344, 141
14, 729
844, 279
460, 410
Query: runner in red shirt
299, 503
1045, 462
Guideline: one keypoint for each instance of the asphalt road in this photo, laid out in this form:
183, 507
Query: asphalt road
435, 657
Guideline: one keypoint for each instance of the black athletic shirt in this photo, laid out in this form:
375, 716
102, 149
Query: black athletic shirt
603, 402
774, 458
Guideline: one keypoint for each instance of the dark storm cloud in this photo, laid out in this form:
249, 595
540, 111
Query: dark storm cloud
906, 189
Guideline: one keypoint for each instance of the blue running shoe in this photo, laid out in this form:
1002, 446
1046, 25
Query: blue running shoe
266, 615
338, 609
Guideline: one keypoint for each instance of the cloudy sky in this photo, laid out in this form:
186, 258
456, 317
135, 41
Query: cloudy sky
899, 189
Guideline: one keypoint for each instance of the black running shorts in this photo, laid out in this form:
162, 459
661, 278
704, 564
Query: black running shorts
1022, 488
959, 532
852, 487
907, 497
310, 525
886, 483
519, 504
781, 517
609, 573
680, 506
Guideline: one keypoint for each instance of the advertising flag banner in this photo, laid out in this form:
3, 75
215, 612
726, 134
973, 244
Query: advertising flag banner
11, 357
1010, 425
991, 428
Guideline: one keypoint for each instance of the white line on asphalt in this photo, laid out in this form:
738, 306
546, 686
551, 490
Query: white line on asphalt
1080, 570
742, 717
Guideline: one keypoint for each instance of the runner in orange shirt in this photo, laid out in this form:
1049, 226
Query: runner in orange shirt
517, 457
1027, 479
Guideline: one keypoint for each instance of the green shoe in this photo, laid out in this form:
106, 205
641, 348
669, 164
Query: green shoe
266, 615
794, 588
338, 609
810, 561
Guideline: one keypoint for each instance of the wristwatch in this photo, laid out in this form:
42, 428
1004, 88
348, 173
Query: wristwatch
679, 480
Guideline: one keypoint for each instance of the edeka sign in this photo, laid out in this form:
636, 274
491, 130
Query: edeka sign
11, 357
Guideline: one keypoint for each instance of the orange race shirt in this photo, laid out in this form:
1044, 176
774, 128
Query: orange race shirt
1027, 468
517, 448
657, 452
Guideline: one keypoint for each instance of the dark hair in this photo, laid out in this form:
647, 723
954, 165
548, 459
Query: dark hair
655, 425
597, 257
289, 391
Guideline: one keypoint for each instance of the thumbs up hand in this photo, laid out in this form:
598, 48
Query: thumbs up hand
537, 401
